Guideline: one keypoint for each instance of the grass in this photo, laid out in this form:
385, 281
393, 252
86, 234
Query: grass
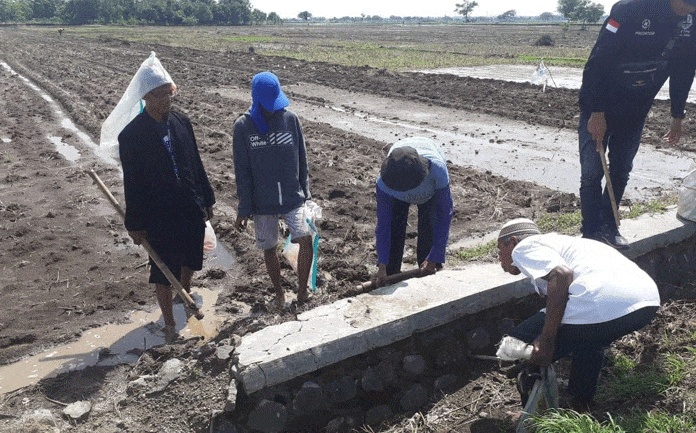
567, 421
377, 47
569, 224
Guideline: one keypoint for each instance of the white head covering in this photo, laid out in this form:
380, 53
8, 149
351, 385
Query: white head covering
518, 226
150, 76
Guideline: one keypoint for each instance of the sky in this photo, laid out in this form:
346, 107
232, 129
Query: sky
386, 8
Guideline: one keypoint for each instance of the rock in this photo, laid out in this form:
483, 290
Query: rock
341, 390
505, 326
445, 383
372, 381
223, 352
231, 400
478, 339
235, 340
414, 364
268, 417
337, 425
41, 416
170, 371
387, 371
309, 398
205, 350
378, 415
414, 398
138, 385
77, 410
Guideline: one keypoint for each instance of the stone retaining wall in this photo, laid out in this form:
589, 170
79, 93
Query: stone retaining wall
406, 376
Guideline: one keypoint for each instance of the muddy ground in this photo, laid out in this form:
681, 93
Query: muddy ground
68, 264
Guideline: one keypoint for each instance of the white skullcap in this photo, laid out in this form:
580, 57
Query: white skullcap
519, 226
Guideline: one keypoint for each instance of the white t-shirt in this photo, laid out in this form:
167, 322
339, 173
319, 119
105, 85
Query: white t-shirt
606, 285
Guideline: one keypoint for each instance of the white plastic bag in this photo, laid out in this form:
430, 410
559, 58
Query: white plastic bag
512, 349
150, 75
686, 205
541, 75
291, 251
210, 240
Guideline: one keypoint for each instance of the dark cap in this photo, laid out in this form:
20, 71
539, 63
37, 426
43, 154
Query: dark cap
265, 89
404, 169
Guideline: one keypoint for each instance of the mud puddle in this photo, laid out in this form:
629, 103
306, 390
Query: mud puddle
515, 150
113, 344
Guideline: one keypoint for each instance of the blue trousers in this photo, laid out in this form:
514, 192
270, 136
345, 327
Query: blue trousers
398, 233
585, 344
622, 139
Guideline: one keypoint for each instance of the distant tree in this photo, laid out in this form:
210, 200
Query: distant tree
274, 18
465, 7
80, 11
43, 8
593, 13
258, 17
203, 13
305, 16
581, 11
546, 16
507, 15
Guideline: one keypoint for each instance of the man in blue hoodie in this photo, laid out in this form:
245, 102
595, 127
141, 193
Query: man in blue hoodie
270, 164
414, 172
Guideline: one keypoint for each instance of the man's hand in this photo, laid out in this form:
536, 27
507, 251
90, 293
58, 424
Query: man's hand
241, 223
138, 236
209, 213
378, 278
597, 126
427, 268
675, 131
542, 354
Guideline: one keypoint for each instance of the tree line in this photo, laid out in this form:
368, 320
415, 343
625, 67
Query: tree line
582, 11
158, 12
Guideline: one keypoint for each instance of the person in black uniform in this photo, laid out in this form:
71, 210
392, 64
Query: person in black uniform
641, 44
168, 195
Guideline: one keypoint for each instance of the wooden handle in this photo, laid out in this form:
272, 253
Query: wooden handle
188, 302
610, 189
391, 279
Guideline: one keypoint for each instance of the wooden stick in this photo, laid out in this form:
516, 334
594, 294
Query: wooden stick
391, 279
188, 302
610, 189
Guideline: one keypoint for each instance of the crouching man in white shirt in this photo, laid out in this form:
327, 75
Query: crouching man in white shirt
594, 295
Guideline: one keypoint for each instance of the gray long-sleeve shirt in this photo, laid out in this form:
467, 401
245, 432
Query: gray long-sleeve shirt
271, 168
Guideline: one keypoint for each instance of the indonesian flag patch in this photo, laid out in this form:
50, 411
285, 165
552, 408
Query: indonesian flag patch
612, 25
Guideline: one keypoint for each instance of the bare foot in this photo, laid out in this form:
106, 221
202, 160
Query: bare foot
279, 301
302, 296
170, 334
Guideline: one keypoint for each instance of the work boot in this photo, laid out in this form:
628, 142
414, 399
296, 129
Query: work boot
612, 237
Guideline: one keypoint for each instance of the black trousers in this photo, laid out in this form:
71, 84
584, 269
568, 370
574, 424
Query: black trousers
585, 344
398, 233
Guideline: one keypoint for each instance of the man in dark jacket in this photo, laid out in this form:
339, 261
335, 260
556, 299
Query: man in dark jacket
270, 165
414, 172
642, 44
168, 196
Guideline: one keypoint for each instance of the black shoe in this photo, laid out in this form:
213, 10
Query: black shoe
612, 237
526, 380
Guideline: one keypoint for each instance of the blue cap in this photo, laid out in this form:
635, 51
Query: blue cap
265, 89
